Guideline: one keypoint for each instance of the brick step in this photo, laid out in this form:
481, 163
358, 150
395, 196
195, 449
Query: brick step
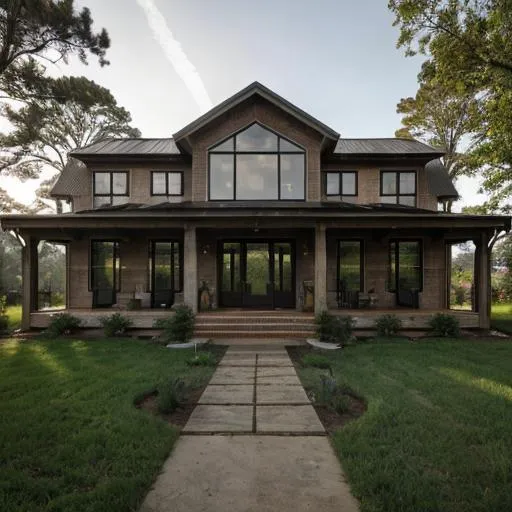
251, 334
250, 321
253, 319
255, 325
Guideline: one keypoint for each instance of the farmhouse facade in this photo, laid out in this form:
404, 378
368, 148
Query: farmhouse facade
256, 206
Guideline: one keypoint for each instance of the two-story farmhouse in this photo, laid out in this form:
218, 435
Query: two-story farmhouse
257, 205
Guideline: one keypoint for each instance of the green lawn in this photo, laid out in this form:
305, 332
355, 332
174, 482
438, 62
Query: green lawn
501, 317
14, 314
437, 435
70, 438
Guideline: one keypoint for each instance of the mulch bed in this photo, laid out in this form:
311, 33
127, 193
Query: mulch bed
331, 420
180, 416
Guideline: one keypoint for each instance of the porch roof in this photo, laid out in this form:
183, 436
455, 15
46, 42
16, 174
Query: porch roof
275, 214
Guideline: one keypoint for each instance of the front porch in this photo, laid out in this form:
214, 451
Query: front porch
260, 323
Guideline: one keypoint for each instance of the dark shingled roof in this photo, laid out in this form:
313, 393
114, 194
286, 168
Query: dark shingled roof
73, 180
160, 147
384, 147
439, 182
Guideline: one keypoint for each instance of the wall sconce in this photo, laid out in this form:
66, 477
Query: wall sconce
305, 249
256, 228
206, 249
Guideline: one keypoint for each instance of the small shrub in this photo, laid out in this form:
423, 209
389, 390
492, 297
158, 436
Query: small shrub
171, 394
63, 323
4, 323
115, 325
202, 359
325, 391
3, 305
316, 361
340, 403
444, 325
178, 328
334, 329
388, 325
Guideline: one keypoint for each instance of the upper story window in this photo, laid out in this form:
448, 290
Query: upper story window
341, 183
398, 187
110, 188
254, 164
169, 183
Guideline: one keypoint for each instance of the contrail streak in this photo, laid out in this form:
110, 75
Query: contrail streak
175, 54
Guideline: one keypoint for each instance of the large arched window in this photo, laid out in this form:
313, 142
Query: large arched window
255, 164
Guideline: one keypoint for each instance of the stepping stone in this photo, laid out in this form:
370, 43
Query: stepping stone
238, 361
267, 360
297, 419
276, 372
220, 418
284, 380
278, 394
228, 395
232, 375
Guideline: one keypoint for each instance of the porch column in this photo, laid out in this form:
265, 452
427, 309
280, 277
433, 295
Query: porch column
484, 271
190, 267
29, 280
320, 269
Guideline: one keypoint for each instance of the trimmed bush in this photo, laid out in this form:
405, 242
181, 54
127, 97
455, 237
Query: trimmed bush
115, 325
202, 359
442, 324
63, 323
341, 403
178, 328
333, 328
171, 394
388, 325
316, 361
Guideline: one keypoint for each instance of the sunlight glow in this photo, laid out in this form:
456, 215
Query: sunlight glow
175, 54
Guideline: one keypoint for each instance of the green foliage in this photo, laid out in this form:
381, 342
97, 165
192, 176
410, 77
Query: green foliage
333, 328
171, 394
388, 325
478, 34
325, 391
3, 304
442, 324
115, 325
341, 403
178, 328
63, 323
4, 323
202, 359
316, 361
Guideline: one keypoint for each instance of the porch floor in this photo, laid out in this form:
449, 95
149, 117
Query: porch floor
283, 322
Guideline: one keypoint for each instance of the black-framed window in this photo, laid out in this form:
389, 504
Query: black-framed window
257, 164
341, 183
398, 187
165, 271
166, 183
405, 267
110, 188
350, 265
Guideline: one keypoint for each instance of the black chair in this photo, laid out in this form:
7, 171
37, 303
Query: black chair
408, 298
346, 299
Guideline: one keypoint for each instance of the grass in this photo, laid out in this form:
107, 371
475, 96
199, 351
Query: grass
14, 314
71, 439
437, 435
501, 317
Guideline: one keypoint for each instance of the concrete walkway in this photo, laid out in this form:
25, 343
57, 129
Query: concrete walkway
253, 443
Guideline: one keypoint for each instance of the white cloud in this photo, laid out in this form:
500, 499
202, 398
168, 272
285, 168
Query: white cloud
175, 54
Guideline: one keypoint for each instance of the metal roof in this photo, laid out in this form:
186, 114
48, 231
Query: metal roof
132, 146
73, 180
384, 147
439, 182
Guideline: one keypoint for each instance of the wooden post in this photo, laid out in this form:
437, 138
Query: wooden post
29, 280
484, 282
190, 285
320, 269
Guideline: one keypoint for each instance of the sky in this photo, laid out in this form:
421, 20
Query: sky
171, 59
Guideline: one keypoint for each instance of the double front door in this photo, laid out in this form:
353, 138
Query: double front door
257, 274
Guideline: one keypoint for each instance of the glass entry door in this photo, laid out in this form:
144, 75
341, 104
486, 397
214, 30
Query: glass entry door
257, 274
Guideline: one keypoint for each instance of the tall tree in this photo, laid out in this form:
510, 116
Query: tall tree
469, 42
51, 29
46, 130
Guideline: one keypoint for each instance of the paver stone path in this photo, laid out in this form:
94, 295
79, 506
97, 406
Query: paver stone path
253, 443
